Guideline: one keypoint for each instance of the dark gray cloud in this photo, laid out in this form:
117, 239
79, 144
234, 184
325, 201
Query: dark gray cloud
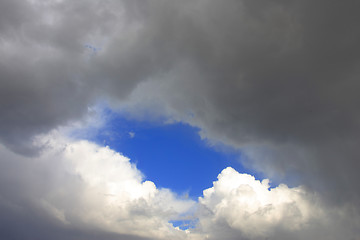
30, 222
280, 77
48, 76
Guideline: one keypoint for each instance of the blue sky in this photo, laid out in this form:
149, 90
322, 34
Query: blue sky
172, 155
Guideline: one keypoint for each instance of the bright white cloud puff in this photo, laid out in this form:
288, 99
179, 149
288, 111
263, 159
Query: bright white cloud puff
246, 205
92, 186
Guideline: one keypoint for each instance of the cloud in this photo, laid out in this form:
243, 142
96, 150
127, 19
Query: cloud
276, 79
266, 77
240, 207
47, 77
79, 188
131, 134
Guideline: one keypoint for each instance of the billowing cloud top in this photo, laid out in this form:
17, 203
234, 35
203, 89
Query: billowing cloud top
83, 186
79, 190
276, 79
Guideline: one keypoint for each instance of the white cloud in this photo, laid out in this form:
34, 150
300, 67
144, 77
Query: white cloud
85, 186
131, 134
96, 187
240, 207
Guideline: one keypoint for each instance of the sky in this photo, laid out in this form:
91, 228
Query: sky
195, 120
171, 154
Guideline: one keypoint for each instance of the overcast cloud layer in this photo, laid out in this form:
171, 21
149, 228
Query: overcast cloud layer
278, 80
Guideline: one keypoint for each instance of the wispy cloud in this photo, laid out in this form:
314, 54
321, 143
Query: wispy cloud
131, 134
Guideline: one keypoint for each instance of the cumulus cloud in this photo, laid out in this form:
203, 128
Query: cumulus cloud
240, 207
82, 187
79, 190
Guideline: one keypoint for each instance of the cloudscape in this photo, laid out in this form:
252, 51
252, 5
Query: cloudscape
193, 119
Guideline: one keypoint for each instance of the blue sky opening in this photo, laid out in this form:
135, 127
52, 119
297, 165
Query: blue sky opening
171, 155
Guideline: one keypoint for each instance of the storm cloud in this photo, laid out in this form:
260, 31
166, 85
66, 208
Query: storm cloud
277, 79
